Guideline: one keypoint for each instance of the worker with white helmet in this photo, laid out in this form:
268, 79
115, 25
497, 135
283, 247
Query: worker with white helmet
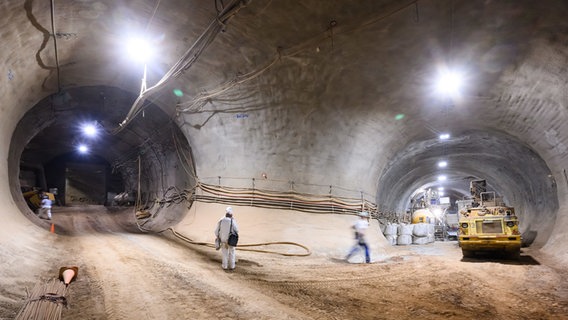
360, 227
45, 210
225, 227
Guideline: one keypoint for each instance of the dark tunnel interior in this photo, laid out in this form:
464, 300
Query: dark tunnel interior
119, 166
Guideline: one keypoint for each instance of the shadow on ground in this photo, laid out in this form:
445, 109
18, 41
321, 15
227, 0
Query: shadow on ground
498, 258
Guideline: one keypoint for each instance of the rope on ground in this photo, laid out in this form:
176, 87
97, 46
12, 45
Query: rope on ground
241, 247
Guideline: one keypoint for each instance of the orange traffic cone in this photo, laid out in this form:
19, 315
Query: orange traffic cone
68, 274
52, 229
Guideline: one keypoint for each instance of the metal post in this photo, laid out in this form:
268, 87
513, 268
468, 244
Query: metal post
252, 200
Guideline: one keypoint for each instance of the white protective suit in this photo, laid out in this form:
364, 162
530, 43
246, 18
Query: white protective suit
45, 208
222, 232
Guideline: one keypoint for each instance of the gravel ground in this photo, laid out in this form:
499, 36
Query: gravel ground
127, 274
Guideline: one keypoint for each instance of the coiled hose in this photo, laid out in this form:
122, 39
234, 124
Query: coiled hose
242, 246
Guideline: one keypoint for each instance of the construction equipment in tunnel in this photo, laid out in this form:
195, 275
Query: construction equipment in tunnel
486, 224
422, 216
430, 207
33, 198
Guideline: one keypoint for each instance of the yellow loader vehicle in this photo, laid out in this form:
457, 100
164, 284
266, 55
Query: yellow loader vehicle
33, 198
486, 224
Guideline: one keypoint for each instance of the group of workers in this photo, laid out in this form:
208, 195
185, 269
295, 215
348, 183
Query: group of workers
228, 225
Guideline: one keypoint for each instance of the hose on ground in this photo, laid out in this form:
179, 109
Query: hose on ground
241, 247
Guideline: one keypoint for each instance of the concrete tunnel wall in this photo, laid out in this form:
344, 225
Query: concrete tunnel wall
338, 131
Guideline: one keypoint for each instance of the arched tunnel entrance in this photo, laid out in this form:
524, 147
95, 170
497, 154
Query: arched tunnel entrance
51, 152
512, 170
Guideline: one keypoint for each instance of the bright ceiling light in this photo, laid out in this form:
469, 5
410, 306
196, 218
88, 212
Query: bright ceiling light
444, 136
90, 130
442, 178
441, 189
139, 49
442, 164
82, 148
449, 83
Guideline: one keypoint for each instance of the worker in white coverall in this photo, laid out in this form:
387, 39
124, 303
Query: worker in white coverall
45, 208
360, 228
224, 227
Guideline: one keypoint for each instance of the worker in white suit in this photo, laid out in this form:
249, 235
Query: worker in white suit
225, 226
360, 228
45, 210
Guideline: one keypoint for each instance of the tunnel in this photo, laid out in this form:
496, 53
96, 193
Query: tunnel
298, 115
139, 163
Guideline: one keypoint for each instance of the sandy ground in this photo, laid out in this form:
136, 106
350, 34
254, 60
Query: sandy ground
127, 274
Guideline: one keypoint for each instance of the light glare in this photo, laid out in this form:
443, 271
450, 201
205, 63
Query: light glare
442, 178
139, 49
444, 136
89, 130
83, 148
449, 83
437, 212
442, 164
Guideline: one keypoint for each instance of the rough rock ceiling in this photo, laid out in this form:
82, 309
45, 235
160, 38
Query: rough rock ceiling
325, 92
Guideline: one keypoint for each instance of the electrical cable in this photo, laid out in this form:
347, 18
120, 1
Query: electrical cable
325, 204
55, 45
309, 44
153, 15
187, 60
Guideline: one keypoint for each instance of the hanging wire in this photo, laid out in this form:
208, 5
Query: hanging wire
152, 16
198, 102
188, 59
55, 45
417, 18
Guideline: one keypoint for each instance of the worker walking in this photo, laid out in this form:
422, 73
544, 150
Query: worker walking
225, 227
45, 207
360, 228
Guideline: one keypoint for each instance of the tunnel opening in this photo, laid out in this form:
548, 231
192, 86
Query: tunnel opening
513, 170
136, 165
83, 180
73, 179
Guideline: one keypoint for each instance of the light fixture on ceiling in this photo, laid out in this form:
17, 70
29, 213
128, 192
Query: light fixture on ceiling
449, 83
442, 178
139, 49
444, 136
90, 130
442, 164
83, 149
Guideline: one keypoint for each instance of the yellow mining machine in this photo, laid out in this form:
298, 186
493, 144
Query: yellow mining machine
33, 198
486, 224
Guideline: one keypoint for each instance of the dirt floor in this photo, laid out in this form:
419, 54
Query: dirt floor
127, 274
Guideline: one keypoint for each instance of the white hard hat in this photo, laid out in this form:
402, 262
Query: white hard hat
364, 214
229, 210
